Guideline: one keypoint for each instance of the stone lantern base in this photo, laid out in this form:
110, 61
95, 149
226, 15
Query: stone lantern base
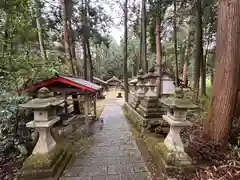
172, 161
172, 154
150, 107
45, 166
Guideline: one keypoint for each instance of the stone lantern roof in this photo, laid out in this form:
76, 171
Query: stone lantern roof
151, 74
133, 81
44, 100
179, 101
140, 74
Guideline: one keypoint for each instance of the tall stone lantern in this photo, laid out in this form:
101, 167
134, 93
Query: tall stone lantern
177, 109
44, 107
150, 105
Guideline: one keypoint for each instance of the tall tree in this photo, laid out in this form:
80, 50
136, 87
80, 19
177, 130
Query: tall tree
39, 28
158, 48
199, 47
144, 37
175, 41
125, 69
84, 38
66, 32
187, 57
226, 81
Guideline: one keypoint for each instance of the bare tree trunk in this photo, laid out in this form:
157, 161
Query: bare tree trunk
185, 67
6, 35
68, 52
188, 55
185, 73
226, 81
203, 70
87, 35
90, 61
84, 20
140, 65
144, 43
73, 49
199, 47
182, 55
66, 16
158, 52
175, 43
39, 28
125, 70
212, 69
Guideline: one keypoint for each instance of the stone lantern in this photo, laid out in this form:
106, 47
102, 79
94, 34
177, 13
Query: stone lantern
140, 92
150, 106
133, 85
177, 109
44, 107
150, 85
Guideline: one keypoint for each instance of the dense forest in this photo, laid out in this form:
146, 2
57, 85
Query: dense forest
196, 40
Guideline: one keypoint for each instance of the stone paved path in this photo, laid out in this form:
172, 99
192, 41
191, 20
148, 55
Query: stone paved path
114, 156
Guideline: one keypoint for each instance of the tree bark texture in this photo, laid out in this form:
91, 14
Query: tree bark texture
175, 43
90, 60
39, 28
158, 54
226, 81
125, 70
182, 55
141, 62
66, 32
199, 47
144, 36
84, 38
187, 57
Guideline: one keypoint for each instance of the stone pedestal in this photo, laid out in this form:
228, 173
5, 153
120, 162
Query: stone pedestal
174, 143
45, 143
45, 167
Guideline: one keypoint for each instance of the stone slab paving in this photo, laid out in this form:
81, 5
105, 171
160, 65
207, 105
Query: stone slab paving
114, 156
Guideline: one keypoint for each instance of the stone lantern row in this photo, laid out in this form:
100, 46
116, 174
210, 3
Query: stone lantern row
148, 105
146, 101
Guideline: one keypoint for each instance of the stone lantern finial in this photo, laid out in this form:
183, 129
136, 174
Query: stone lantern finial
44, 93
140, 72
179, 92
152, 69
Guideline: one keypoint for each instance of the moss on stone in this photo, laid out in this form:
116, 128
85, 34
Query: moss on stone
155, 144
43, 160
50, 166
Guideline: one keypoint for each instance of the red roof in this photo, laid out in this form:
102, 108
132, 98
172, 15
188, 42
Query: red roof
67, 80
